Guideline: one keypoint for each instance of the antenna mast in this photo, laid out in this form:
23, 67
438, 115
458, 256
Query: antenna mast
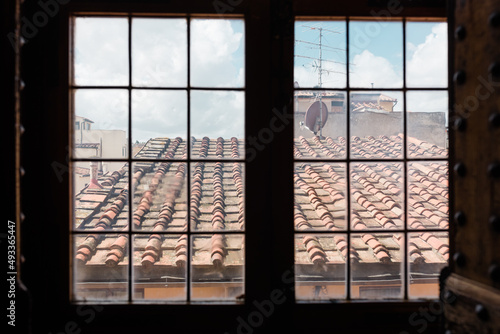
319, 68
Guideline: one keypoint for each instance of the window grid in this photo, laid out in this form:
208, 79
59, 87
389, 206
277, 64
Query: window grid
348, 160
189, 161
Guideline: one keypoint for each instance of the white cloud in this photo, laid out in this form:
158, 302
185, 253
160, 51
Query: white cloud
159, 53
368, 68
427, 62
214, 44
159, 113
217, 114
101, 51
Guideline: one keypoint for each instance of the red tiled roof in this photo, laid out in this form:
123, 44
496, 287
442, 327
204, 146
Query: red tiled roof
160, 204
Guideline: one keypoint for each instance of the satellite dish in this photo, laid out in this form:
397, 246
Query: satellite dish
316, 116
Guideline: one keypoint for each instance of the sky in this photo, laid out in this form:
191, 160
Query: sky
160, 54
159, 59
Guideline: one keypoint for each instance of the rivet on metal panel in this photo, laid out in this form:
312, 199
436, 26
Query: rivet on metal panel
461, 124
449, 297
494, 272
494, 170
495, 119
460, 33
494, 69
460, 169
459, 259
481, 312
495, 223
494, 19
460, 218
459, 77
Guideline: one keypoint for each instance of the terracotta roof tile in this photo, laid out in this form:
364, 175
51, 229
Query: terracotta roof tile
160, 204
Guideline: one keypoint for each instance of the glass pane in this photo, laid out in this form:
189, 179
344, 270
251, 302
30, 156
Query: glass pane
100, 51
159, 52
428, 253
428, 201
320, 54
320, 269
320, 125
160, 267
101, 267
160, 192
426, 54
427, 124
320, 196
377, 266
100, 124
375, 54
377, 125
100, 199
217, 196
217, 53
158, 117
377, 195
217, 117
218, 267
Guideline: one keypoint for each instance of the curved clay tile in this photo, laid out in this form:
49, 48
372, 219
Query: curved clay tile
153, 250
379, 250
86, 250
181, 251
217, 250
308, 147
437, 244
114, 177
117, 250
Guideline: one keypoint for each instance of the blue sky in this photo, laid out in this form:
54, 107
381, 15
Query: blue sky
371, 43
159, 52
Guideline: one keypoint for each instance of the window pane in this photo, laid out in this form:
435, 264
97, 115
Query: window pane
377, 125
217, 53
376, 266
320, 125
428, 195
428, 253
160, 268
100, 196
214, 115
376, 54
160, 115
320, 196
427, 120
426, 54
320, 54
159, 52
377, 195
160, 192
320, 269
103, 117
101, 267
101, 51
217, 196
217, 268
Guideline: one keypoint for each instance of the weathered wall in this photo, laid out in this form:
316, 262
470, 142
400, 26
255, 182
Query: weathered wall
428, 126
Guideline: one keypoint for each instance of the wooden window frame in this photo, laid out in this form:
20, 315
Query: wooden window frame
269, 88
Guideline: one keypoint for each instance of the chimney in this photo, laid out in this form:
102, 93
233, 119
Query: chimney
94, 184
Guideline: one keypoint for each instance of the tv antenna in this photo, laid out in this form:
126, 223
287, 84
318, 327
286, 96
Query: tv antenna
322, 115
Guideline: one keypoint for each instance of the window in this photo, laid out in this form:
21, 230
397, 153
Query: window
270, 240
166, 221
371, 180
